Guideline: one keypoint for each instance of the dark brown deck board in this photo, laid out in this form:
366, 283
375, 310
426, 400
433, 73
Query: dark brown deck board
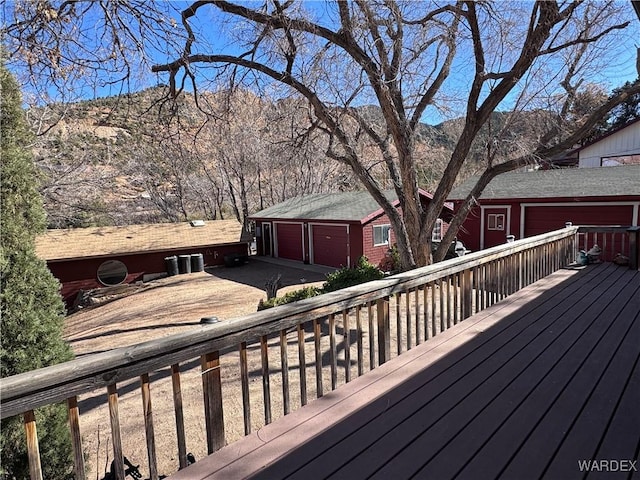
579, 443
622, 432
516, 391
474, 421
550, 406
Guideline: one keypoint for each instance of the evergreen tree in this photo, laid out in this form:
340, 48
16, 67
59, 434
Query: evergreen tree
625, 112
32, 313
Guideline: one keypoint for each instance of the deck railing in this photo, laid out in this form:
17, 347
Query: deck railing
613, 240
325, 341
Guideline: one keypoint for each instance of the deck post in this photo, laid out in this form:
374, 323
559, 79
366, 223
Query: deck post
116, 439
33, 450
384, 330
634, 247
212, 391
76, 438
179, 414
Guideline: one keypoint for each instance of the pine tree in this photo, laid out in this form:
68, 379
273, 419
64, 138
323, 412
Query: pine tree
32, 312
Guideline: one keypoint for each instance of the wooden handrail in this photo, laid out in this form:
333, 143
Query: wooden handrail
435, 298
59, 382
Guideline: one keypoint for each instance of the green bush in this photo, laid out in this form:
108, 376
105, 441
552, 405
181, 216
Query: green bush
343, 278
306, 292
348, 277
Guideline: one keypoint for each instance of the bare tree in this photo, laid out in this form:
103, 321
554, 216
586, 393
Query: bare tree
407, 58
400, 56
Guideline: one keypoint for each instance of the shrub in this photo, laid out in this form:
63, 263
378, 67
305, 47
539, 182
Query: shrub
390, 261
343, 278
348, 277
306, 292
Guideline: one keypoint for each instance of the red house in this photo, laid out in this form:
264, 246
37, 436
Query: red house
332, 229
87, 258
528, 203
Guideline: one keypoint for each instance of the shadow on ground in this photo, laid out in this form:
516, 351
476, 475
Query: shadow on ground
256, 272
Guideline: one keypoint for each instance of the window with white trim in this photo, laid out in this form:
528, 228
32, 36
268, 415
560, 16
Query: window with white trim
620, 160
495, 221
381, 234
436, 234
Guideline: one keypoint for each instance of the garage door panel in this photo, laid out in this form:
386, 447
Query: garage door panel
330, 245
289, 238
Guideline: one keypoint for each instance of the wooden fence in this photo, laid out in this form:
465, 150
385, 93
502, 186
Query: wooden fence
386, 317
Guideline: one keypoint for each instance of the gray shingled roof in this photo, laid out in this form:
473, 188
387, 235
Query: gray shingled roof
568, 183
347, 206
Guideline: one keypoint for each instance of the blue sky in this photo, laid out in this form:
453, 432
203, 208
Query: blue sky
617, 63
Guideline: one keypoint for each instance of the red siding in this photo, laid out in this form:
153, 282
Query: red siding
330, 245
541, 219
81, 274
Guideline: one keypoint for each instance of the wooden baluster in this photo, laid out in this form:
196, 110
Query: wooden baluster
456, 290
634, 248
384, 334
467, 294
434, 318
244, 383
266, 386
302, 365
476, 288
33, 450
407, 307
317, 332
116, 440
179, 414
447, 281
372, 348
416, 301
76, 438
398, 297
425, 311
442, 303
284, 364
359, 341
212, 392
148, 426
332, 352
347, 346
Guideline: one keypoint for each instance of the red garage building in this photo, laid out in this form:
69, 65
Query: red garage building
332, 229
528, 203
88, 258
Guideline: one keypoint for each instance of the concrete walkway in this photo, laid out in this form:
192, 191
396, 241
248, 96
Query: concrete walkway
294, 264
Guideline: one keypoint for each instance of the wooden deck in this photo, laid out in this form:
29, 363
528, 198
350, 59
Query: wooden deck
528, 388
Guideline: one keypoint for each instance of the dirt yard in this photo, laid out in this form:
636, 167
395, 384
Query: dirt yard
175, 304
162, 308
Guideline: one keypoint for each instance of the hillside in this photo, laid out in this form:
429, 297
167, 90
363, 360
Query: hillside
144, 158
